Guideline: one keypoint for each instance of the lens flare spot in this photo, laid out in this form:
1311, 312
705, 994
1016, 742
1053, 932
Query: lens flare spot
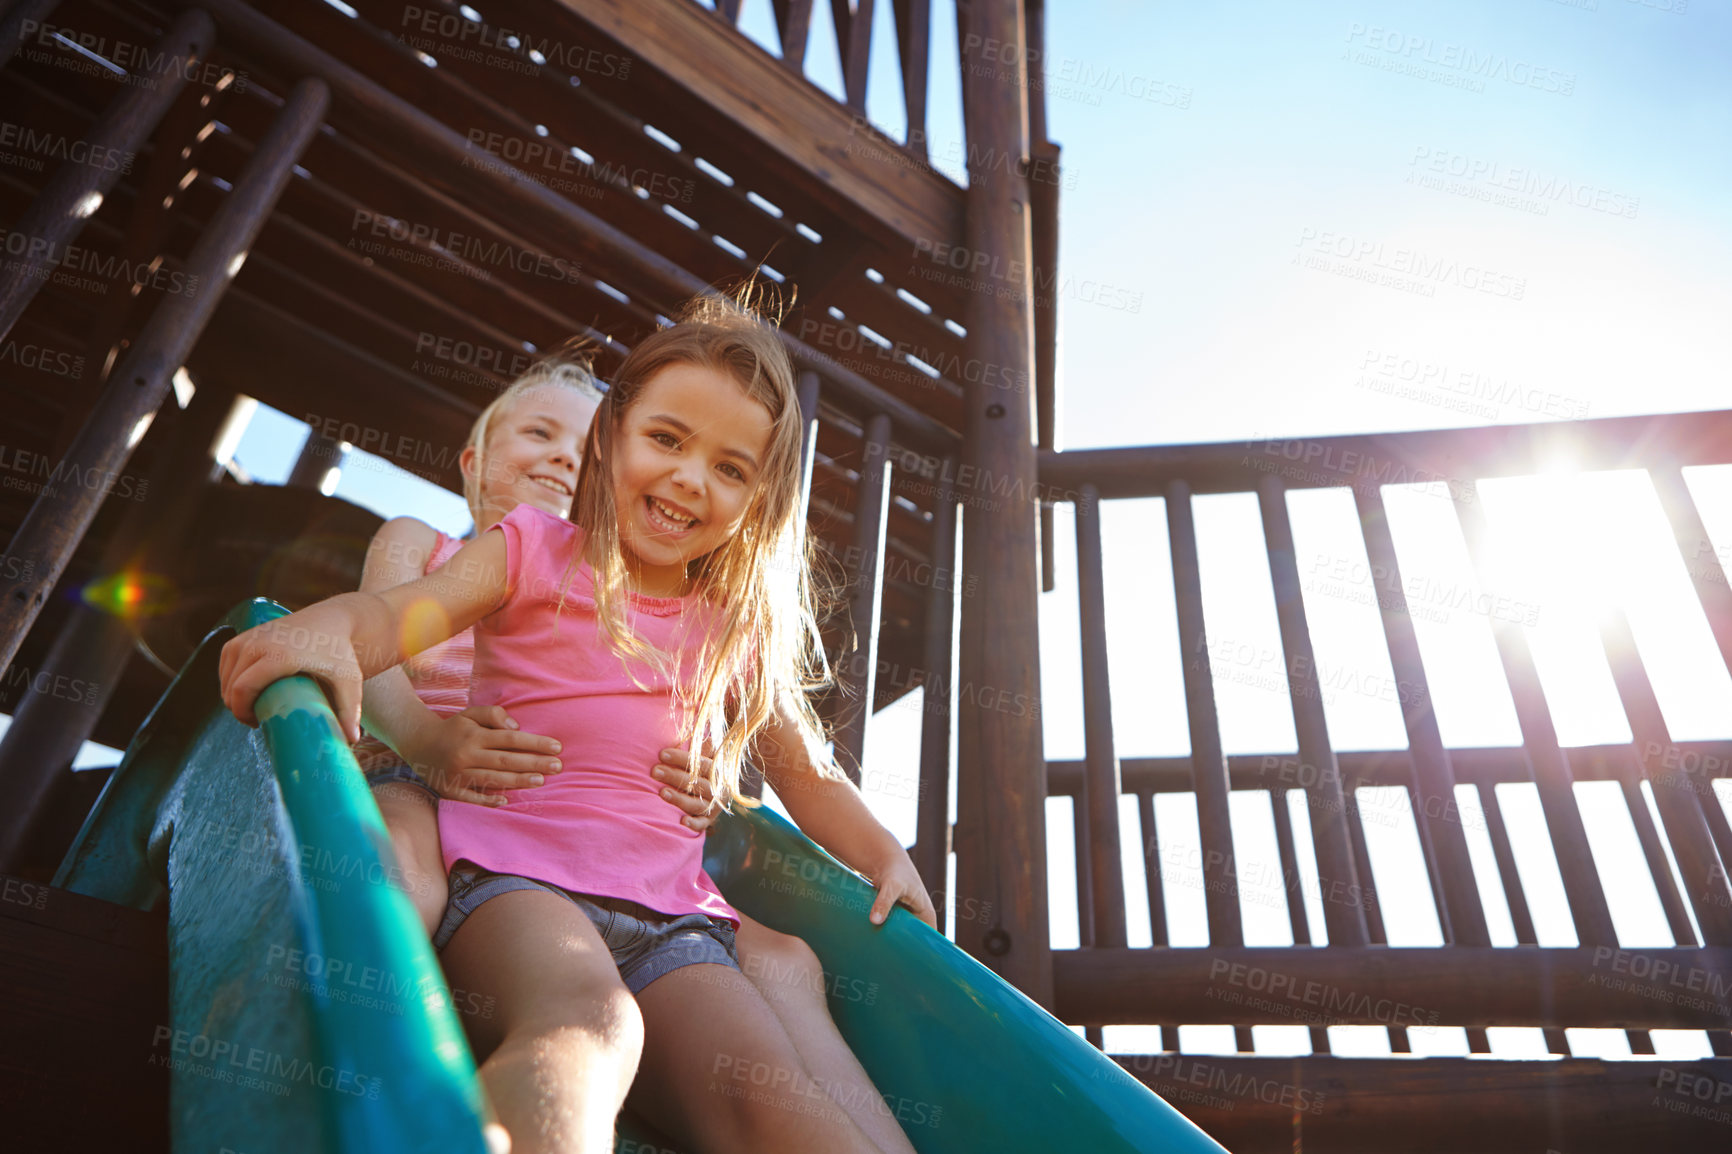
130, 595
424, 624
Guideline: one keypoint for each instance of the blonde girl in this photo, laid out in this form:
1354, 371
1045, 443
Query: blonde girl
675, 611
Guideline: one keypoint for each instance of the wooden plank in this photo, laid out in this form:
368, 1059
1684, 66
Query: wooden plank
1582, 886
59, 518
1344, 872
1444, 459
1443, 840
1680, 795
1104, 868
784, 113
59, 213
1208, 762
794, 27
1418, 988
1478, 767
914, 52
1444, 1105
864, 565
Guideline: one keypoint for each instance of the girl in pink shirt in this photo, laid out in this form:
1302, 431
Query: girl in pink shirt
676, 607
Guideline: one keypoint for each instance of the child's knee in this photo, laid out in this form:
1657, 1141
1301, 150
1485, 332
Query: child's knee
777, 962
601, 1009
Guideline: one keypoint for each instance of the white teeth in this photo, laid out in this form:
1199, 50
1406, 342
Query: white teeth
674, 520
555, 486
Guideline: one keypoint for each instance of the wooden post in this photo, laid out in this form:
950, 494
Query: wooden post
1208, 761
1107, 892
59, 518
73, 194
1001, 783
95, 644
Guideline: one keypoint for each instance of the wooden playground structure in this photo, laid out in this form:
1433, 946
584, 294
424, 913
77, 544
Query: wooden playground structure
370, 216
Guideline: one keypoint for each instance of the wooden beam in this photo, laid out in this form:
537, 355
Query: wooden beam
887, 193
1445, 1105
58, 519
794, 25
1444, 459
1589, 986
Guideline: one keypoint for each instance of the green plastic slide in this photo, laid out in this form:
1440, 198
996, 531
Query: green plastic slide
308, 1012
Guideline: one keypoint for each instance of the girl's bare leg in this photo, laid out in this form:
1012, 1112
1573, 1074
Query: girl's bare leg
562, 1042
720, 1075
788, 975
412, 820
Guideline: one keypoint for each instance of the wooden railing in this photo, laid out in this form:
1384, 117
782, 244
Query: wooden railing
1467, 983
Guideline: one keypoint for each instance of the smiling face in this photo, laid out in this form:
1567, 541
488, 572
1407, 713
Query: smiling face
533, 452
686, 463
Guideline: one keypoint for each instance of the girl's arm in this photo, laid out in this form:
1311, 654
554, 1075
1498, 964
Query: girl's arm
463, 757
833, 814
346, 639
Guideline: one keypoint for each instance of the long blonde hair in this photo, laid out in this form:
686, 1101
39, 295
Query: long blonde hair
763, 646
569, 368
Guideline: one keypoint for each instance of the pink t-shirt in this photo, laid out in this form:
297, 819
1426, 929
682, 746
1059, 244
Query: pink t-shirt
599, 827
440, 675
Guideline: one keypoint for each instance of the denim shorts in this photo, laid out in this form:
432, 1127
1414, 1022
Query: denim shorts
399, 772
645, 944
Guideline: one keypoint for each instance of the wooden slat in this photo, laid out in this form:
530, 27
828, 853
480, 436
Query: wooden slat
1208, 762
60, 211
1443, 1105
1152, 868
1671, 901
1441, 458
1587, 898
865, 569
854, 40
1344, 872
1597, 986
783, 113
1701, 560
914, 51
1104, 865
1477, 767
1443, 840
59, 519
794, 27
1680, 795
